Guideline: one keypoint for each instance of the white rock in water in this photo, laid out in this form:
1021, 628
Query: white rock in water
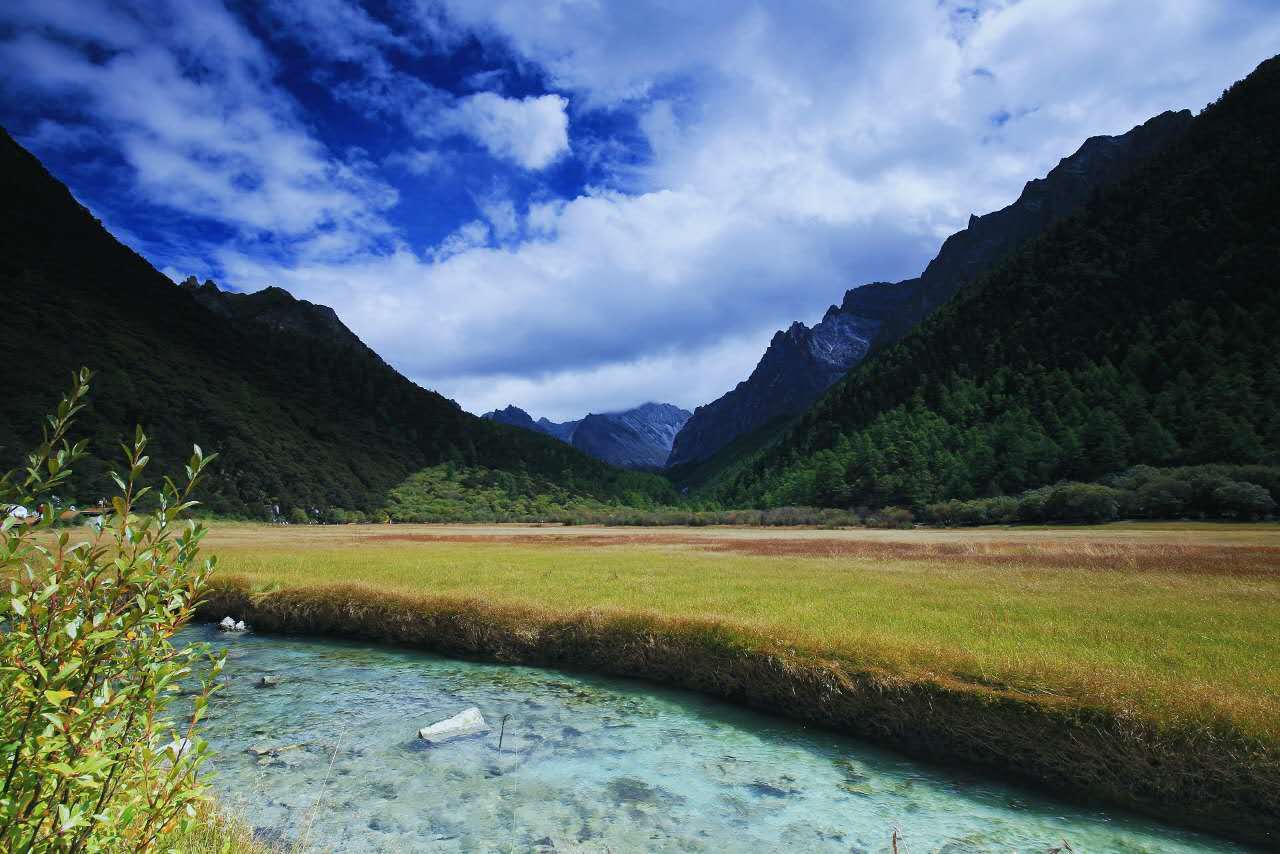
240, 626
227, 624
464, 723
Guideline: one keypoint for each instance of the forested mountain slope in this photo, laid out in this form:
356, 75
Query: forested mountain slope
802, 362
1144, 329
303, 414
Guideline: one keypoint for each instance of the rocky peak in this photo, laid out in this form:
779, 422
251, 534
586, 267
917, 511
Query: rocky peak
273, 307
513, 416
637, 438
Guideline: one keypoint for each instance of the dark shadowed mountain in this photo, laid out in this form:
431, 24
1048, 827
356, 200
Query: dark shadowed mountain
801, 363
275, 309
517, 417
301, 412
638, 438
1143, 330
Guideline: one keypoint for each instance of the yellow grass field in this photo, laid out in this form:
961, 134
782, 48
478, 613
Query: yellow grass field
1172, 621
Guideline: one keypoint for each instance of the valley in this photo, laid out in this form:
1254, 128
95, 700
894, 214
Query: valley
1155, 628
983, 558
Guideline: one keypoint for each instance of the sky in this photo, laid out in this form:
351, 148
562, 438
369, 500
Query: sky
578, 205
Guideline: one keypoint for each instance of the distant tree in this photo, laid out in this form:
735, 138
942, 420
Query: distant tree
828, 481
1243, 500
1163, 498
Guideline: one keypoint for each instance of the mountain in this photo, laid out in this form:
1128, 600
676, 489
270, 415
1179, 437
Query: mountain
273, 308
1145, 329
801, 363
517, 417
514, 416
560, 430
638, 438
798, 365
302, 413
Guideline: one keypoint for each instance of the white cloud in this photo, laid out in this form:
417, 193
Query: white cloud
793, 151
52, 136
501, 215
532, 132
469, 235
186, 94
695, 376
338, 30
796, 151
417, 161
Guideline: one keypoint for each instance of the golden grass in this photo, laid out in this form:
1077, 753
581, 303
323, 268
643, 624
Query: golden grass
1171, 622
1136, 664
217, 833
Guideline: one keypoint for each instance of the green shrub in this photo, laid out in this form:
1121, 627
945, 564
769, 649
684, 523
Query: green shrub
91, 757
1162, 498
891, 517
1087, 502
1243, 500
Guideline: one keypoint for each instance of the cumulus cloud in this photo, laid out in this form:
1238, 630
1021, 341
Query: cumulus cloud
615, 386
185, 93
773, 156
532, 131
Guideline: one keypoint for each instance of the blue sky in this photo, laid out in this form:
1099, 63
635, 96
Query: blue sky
577, 205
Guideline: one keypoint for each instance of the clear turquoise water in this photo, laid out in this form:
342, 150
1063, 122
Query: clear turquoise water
589, 764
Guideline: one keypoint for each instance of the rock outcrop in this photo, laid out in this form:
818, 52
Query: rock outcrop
273, 307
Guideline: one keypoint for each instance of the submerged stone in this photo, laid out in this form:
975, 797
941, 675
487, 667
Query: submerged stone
768, 790
265, 750
465, 723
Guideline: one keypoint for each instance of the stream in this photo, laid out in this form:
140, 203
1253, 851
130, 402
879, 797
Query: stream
588, 764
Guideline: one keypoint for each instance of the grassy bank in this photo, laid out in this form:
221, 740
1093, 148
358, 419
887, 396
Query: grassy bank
1135, 663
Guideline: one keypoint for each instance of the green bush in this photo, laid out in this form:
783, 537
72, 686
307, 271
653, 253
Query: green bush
891, 517
91, 757
1162, 498
1086, 502
1243, 500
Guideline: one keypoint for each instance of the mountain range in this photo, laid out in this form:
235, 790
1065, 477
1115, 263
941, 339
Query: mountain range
1142, 330
802, 362
1123, 311
638, 438
301, 412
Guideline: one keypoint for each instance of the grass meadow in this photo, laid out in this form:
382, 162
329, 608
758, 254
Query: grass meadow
1174, 622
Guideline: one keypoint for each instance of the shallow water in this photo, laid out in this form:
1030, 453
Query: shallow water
588, 764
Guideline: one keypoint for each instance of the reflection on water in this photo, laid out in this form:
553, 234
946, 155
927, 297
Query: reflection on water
587, 764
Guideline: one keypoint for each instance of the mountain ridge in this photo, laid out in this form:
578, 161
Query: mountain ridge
1142, 330
636, 438
800, 363
302, 413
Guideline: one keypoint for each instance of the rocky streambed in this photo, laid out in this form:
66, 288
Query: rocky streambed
319, 741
